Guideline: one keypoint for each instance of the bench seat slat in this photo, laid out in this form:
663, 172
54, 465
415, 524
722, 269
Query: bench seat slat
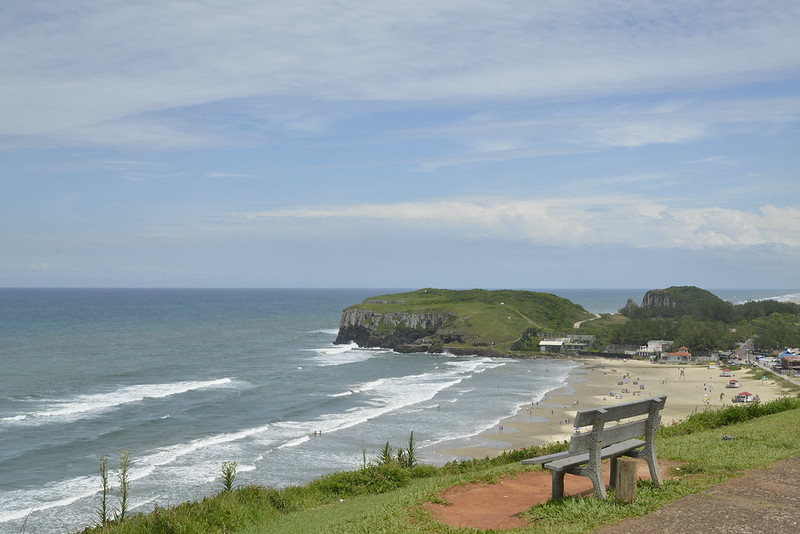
616, 449
546, 458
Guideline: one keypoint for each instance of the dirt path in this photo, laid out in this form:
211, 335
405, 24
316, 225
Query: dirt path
497, 506
579, 323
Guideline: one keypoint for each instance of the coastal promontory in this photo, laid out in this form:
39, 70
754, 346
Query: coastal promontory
472, 321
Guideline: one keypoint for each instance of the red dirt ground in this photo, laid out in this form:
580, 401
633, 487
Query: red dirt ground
497, 506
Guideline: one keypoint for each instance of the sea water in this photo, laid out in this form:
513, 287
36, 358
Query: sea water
188, 379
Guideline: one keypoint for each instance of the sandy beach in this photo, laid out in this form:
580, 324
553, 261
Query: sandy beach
600, 382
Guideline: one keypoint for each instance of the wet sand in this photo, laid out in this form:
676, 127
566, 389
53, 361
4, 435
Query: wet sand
596, 383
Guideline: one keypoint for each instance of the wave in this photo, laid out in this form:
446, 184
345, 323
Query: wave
82, 406
472, 436
789, 297
53, 495
70, 491
343, 354
360, 388
327, 331
391, 394
786, 297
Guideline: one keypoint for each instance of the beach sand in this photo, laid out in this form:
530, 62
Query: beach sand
596, 383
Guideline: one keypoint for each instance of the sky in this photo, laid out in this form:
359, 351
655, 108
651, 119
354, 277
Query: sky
400, 144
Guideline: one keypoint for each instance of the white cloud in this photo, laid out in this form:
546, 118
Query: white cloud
229, 175
574, 221
576, 131
721, 160
90, 67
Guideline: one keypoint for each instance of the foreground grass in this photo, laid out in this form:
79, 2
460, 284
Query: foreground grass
389, 499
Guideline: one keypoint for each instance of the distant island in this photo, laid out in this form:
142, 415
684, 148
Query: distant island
527, 323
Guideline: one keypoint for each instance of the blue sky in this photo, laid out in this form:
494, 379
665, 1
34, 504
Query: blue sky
514, 144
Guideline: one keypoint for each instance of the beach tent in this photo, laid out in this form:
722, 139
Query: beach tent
744, 396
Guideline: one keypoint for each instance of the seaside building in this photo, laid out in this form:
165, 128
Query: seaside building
790, 360
569, 343
627, 350
682, 355
654, 348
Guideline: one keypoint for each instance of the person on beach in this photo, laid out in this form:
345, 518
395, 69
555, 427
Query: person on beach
682, 375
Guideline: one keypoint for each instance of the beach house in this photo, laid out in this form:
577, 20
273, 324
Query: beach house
654, 348
682, 355
569, 343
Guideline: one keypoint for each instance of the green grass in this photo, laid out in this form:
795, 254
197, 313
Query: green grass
389, 498
489, 317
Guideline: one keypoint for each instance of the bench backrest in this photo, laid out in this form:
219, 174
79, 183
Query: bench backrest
606, 435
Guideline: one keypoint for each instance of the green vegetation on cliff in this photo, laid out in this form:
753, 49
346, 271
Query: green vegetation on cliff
444, 318
701, 321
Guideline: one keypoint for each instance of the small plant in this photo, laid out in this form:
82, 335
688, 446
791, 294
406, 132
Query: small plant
386, 455
102, 510
408, 457
228, 475
122, 476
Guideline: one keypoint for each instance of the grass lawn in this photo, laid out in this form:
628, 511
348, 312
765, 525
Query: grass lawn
388, 499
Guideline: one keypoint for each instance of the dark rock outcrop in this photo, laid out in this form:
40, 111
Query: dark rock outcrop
393, 330
658, 298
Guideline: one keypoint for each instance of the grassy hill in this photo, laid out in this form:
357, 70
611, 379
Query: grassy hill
466, 318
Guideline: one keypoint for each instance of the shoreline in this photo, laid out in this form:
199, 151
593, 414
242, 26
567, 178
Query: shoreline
596, 383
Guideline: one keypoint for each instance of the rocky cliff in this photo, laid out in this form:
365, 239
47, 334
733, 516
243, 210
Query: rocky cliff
368, 328
658, 298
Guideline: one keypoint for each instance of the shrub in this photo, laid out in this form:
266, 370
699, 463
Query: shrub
228, 475
370, 480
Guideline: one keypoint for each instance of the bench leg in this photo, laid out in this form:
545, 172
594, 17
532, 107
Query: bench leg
652, 464
649, 456
558, 484
596, 477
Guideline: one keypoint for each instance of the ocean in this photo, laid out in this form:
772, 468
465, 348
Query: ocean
186, 379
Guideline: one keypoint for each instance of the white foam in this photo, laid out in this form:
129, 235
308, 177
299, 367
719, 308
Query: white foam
329, 331
788, 297
52, 495
81, 406
68, 491
169, 454
360, 388
343, 354
396, 393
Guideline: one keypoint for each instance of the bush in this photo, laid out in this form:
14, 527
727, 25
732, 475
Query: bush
369, 480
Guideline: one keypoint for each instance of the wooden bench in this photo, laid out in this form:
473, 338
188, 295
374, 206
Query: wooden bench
607, 439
